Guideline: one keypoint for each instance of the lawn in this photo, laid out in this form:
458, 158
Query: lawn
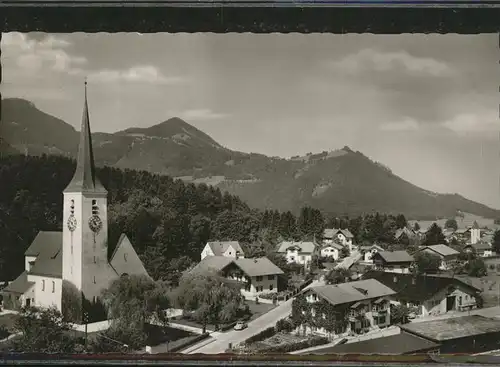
8, 320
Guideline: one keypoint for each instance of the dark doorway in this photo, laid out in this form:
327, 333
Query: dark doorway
450, 303
28, 302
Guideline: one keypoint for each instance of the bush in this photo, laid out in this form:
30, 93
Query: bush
284, 325
4, 332
264, 334
186, 342
498, 267
491, 267
303, 344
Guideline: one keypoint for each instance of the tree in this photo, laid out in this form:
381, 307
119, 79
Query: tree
210, 298
451, 224
344, 252
416, 227
496, 242
132, 301
475, 268
400, 314
337, 276
44, 331
434, 236
401, 221
426, 262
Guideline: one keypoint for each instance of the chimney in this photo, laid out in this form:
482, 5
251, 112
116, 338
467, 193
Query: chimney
237, 255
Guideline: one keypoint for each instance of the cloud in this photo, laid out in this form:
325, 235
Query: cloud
407, 124
138, 74
467, 123
30, 55
369, 60
201, 114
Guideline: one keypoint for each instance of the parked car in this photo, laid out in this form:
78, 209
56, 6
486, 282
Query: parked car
240, 325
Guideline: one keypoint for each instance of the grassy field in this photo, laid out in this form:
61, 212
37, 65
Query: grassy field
491, 283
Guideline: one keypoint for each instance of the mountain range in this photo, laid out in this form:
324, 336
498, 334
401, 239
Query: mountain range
339, 182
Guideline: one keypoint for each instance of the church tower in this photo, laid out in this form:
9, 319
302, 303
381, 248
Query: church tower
85, 221
475, 233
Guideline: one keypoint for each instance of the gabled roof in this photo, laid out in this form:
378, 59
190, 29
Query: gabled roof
395, 256
399, 232
84, 179
368, 248
305, 247
329, 233
257, 267
251, 267
479, 246
442, 250
402, 343
410, 287
44, 240
20, 285
124, 259
219, 247
453, 328
352, 291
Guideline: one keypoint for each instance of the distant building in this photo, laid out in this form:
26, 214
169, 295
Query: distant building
298, 252
343, 235
462, 335
429, 295
78, 258
368, 251
256, 276
404, 234
223, 248
359, 306
475, 233
481, 248
332, 250
445, 253
393, 261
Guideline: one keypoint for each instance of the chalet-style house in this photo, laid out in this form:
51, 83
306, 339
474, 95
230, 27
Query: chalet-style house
404, 235
481, 248
343, 235
257, 276
361, 305
223, 248
298, 252
393, 261
429, 295
368, 251
80, 256
445, 253
331, 250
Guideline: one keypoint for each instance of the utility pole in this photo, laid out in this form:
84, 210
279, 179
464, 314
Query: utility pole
86, 321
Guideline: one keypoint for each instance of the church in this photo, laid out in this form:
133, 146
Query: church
78, 256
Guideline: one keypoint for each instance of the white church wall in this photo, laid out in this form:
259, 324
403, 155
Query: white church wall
47, 291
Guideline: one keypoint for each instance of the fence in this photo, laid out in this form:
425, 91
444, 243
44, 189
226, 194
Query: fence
93, 327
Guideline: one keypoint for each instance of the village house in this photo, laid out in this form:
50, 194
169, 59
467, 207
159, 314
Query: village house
359, 306
332, 250
405, 235
223, 248
368, 251
447, 255
459, 335
393, 261
429, 295
343, 235
481, 248
257, 276
80, 257
298, 252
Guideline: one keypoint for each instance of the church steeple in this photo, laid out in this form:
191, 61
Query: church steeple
84, 179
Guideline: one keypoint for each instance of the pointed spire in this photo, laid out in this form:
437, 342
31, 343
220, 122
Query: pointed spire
475, 225
84, 179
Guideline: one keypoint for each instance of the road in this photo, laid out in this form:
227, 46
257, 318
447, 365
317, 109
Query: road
266, 320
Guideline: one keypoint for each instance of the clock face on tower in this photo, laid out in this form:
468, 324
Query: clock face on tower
71, 223
95, 223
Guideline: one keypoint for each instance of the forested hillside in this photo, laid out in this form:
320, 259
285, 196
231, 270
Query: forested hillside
167, 220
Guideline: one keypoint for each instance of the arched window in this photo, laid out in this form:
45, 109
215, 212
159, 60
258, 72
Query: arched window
125, 256
43, 284
53, 287
72, 207
94, 279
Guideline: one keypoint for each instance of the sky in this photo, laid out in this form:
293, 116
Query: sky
424, 105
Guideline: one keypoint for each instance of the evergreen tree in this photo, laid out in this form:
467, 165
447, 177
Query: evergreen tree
434, 236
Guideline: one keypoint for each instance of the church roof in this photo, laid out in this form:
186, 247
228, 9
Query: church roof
44, 240
475, 225
19, 285
84, 179
49, 262
124, 259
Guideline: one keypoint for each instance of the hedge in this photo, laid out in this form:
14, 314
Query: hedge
264, 334
186, 342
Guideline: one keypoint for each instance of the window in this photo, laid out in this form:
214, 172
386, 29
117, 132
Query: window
270, 277
53, 287
95, 260
259, 279
95, 208
271, 287
71, 249
94, 279
292, 258
72, 207
125, 257
302, 258
94, 299
43, 284
460, 300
